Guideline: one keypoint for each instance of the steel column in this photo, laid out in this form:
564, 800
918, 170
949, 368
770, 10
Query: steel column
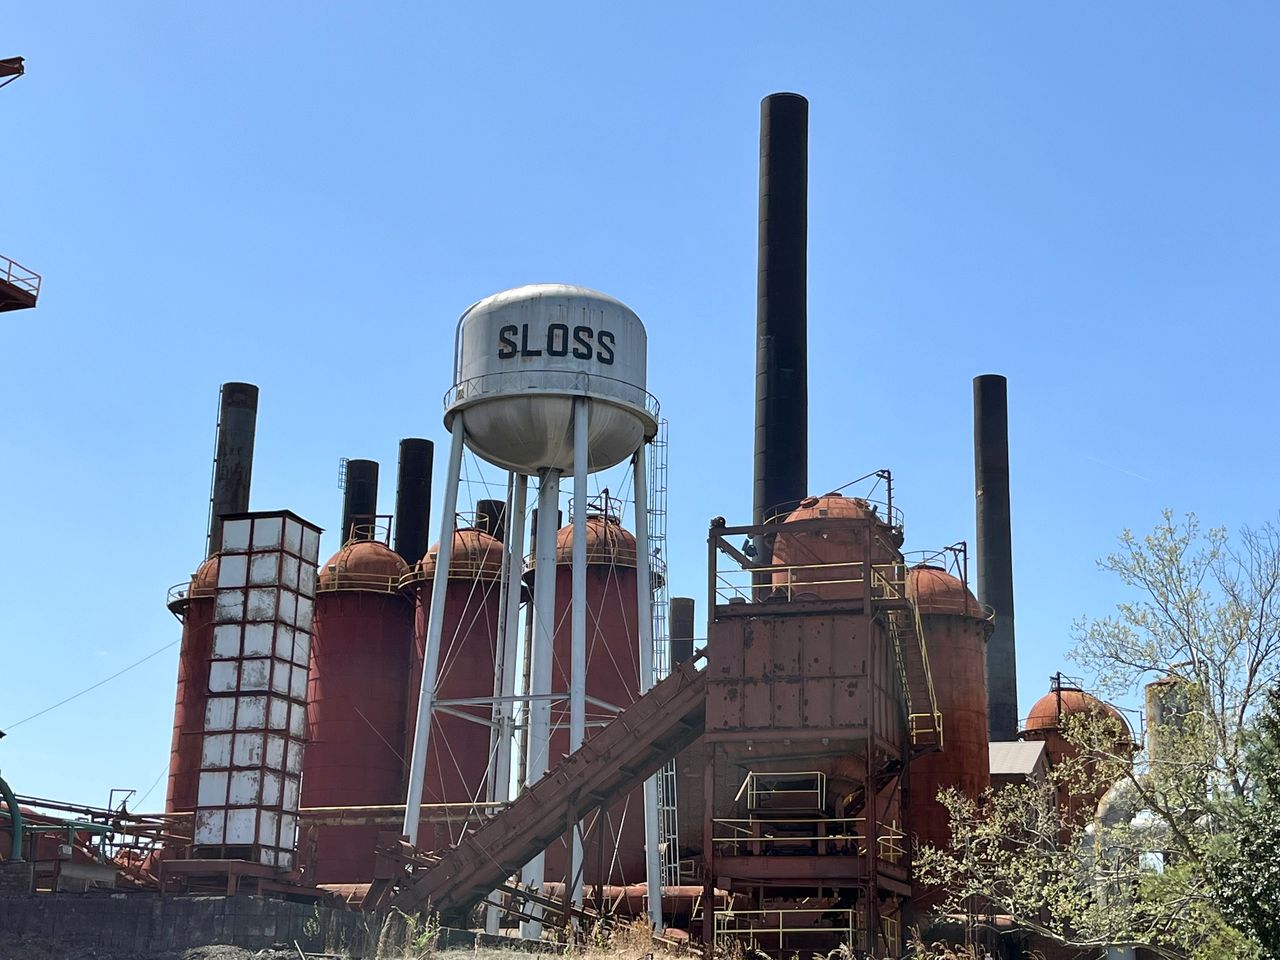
578, 622
435, 626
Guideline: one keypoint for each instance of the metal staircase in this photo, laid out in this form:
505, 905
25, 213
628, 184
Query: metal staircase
617, 759
906, 633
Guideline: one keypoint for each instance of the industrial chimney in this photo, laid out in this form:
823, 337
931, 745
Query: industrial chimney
360, 499
782, 390
233, 457
413, 499
995, 549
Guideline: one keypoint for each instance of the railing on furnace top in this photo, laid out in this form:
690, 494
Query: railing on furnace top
16, 275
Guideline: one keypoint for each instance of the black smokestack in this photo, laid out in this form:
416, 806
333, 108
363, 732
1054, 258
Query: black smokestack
491, 517
681, 629
995, 548
360, 498
413, 499
233, 457
782, 375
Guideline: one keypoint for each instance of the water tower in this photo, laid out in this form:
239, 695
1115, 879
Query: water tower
549, 379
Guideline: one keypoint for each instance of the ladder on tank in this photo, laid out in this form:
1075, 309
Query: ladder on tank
667, 819
906, 633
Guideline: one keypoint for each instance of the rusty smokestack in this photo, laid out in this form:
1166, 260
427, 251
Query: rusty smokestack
681, 630
413, 499
360, 499
232, 458
995, 548
782, 377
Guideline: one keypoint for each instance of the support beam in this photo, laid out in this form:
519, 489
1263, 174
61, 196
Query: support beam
644, 632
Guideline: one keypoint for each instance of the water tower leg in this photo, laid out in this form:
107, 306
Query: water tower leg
544, 603
435, 624
508, 649
644, 624
578, 621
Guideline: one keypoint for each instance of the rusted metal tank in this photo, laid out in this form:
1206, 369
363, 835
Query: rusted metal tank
613, 678
831, 561
194, 605
356, 702
458, 753
955, 628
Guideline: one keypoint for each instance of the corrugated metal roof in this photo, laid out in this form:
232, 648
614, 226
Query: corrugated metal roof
1015, 758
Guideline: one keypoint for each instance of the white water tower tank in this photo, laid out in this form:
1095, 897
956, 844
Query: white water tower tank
523, 355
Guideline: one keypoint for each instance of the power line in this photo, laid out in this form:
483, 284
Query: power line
76, 696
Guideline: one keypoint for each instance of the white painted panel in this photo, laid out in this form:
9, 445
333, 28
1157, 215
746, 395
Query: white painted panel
271, 783
246, 788
288, 606
231, 570
285, 860
298, 683
266, 533
278, 714
284, 642
288, 831
240, 826
226, 641
289, 572
257, 639
269, 828
210, 826
230, 606
222, 676
269, 857
290, 802
265, 569
310, 545
212, 791
248, 750
219, 713
254, 674
298, 721
251, 714
303, 619
262, 604
280, 677
307, 580
302, 648
235, 537
292, 536
215, 751
293, 757
275, 752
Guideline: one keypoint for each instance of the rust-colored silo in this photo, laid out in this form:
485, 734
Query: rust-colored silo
955, 628
458, 752
356, 699
826, 562
195, 607
1047, 722
613, 677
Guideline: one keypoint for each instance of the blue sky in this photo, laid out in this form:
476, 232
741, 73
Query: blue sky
1081, 197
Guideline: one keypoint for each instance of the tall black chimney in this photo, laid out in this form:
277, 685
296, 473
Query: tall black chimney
233, 457
681, 630
413, 499
360, 498
782, 378
995, 548
491, 517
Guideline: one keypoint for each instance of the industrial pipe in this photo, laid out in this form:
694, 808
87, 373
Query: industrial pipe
413, 499
782, 378
995, 549
233, 457
360, 498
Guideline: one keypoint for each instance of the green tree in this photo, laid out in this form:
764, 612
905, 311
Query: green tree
1143, 867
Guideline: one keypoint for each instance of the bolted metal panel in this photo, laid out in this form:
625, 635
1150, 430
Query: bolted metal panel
360, 497
413, 499
522, 357
491, 518
682, 629
782, 378
233, 457
995, 548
